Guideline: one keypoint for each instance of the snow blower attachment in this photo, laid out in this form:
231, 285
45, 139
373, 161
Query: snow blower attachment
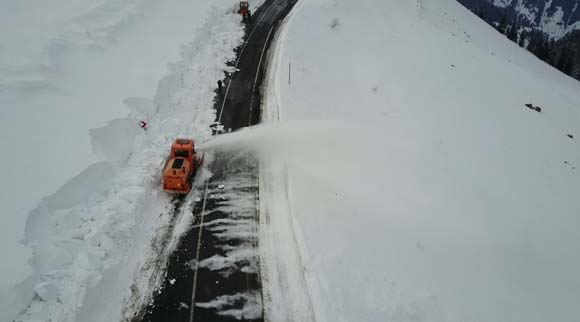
245, 12
181, 167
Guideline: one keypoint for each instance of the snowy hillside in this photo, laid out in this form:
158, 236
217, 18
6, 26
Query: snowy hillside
434, 193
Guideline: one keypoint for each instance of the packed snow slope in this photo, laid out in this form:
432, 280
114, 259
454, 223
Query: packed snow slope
81, 179
437, 195
66, 67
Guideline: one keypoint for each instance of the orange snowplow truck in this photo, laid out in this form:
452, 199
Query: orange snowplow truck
181, 166
245, 11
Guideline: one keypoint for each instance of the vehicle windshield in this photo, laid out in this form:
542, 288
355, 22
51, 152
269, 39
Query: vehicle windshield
182, 153
177, 164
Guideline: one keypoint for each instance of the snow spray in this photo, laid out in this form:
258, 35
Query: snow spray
280, 137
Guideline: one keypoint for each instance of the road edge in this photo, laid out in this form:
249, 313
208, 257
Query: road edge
285, 292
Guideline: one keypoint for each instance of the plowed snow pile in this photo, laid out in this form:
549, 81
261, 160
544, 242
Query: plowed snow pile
446, 198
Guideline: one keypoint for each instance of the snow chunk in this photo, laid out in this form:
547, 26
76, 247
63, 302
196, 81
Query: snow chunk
46, 291
114, 141
251, 309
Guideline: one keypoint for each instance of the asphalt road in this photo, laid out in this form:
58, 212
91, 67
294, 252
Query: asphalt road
192, 292
241, 106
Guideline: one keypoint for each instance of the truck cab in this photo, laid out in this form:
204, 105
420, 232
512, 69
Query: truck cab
183, 148
180, 167
244, 5
245, 11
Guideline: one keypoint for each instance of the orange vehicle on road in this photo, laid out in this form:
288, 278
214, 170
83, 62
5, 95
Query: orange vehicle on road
181, 166
245, 11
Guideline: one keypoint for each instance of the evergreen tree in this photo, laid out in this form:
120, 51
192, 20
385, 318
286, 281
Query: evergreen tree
541, 48
565, 61
480, 14
562, 58
502, 24
533, 44
551, 52
522, 40
513, 32
568, 65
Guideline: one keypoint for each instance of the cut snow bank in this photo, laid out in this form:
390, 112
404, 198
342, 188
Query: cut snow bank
99, 241
456, 203
66, 67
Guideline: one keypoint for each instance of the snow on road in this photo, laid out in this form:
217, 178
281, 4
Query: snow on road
443, 198
94, 240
